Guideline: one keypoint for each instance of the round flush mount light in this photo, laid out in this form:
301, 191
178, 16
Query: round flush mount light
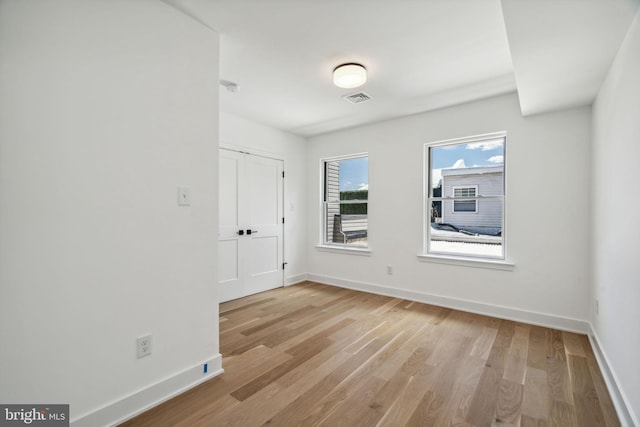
349, 75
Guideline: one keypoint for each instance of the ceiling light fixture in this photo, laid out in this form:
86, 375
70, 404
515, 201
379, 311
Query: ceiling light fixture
349, 75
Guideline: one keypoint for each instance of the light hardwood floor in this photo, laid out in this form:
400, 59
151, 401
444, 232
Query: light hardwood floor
313, 354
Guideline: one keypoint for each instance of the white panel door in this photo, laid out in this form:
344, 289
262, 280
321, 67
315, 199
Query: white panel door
251, 224
265, 212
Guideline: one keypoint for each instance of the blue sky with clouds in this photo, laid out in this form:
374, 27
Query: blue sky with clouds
484, 153
354, 174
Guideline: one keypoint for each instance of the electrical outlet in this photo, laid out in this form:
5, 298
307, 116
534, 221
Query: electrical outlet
144, 346
389, 270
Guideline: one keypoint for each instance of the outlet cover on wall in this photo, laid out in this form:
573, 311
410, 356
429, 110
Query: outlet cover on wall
144, 346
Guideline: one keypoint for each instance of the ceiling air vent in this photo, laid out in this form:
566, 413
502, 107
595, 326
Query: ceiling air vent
357, 98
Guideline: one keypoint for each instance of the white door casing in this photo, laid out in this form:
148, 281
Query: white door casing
251, 226
231, 170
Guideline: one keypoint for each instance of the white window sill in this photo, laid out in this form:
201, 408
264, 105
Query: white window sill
344, 249
495, 264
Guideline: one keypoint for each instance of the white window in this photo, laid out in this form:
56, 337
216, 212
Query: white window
345, 195
460, 204
465, 197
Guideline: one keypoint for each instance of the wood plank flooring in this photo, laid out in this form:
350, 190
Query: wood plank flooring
313, 354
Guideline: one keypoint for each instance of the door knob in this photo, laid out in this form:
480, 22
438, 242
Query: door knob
241, 232
250, 231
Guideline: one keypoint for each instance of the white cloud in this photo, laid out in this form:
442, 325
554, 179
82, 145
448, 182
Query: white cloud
485, 145
459, 164
436, 174
496, 159
364, 186
436, 177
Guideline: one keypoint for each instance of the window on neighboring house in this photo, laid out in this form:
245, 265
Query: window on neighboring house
462, 205
345, 201
465, 197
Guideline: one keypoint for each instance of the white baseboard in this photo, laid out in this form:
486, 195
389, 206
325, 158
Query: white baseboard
534, 318
145, 399
620, 400
292, 280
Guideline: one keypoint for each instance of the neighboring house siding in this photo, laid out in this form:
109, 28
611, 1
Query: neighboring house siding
333, 194
488, 212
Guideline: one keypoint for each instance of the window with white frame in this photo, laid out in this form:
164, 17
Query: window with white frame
460, 203
465, 197
345, 195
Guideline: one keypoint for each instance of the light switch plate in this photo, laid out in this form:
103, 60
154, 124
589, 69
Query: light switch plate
184, 196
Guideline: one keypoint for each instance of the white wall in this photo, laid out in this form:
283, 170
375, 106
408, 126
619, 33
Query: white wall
616, 212
547, 212
106, 107
248, 136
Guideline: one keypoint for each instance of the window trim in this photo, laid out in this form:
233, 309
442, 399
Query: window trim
323, 244
460, 259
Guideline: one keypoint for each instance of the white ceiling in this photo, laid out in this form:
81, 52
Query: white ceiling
420, 55
562, 49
